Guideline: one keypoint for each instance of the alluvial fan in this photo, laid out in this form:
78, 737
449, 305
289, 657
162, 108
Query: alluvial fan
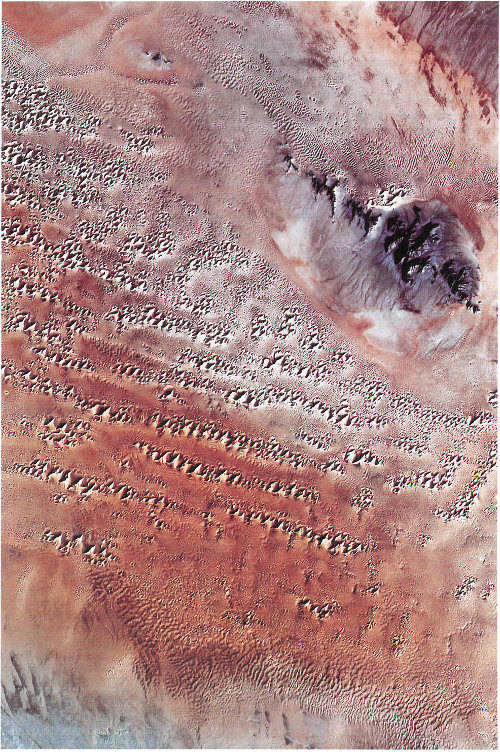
249, 375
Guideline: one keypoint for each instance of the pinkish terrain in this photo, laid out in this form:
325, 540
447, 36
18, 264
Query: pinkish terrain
249, 375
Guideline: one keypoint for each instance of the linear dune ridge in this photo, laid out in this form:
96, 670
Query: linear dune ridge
249, 375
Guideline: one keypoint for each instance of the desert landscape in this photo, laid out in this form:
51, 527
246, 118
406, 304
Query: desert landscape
249, 375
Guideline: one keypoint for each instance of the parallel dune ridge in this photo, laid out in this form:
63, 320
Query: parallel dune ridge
249, 375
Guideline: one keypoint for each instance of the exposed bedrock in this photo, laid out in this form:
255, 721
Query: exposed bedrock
415, 256
463, 34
